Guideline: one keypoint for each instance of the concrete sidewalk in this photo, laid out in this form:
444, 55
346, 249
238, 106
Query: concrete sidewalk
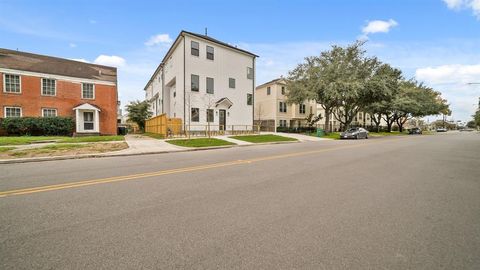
139, 144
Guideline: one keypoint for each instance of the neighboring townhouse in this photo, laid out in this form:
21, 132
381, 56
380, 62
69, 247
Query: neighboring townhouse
204, 81
362, 119
43, 86
272, 109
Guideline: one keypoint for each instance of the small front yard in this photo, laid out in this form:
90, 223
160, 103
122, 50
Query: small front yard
20, 140
381, 134
263, 138
200, 142
61, 150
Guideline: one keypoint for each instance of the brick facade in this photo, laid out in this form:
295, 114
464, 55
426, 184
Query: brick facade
68, 96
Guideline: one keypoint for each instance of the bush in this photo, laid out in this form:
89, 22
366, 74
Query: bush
297, 129
36, 126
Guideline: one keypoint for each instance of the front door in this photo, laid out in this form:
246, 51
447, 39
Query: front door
88, 121
222, 121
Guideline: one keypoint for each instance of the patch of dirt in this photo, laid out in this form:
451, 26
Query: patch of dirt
91, 148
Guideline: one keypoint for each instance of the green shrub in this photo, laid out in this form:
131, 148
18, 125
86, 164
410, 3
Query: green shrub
38, 125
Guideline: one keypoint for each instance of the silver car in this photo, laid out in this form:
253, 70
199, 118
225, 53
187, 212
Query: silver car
354, 133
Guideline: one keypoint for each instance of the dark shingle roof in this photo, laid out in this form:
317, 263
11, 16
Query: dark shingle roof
218, 42
24, 61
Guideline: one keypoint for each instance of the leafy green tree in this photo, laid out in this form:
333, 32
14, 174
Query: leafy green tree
387, 80
340, 79
306, 82
139, 112
476, 116
417, 100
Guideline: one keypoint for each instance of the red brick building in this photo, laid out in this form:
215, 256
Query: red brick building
41, 86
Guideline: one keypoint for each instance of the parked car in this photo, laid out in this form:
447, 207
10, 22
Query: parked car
415, 130
441, 129
354, 133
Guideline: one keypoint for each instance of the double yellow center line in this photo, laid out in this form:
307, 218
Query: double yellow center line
84, 183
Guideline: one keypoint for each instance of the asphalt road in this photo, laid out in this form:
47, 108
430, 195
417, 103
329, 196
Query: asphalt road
409, 202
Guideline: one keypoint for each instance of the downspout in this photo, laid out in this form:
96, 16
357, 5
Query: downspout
163, 91
253, 94
184, 91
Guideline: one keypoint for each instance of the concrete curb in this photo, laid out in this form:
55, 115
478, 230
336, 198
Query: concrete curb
115, 154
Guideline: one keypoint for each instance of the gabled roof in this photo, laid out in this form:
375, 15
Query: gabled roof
280, 80
86, 106
227, 102
205, 37
24, 61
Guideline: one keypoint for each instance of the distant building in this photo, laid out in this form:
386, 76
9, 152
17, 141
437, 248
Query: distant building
272, 109
204, 81
42, 86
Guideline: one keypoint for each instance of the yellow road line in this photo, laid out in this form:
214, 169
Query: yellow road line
167, 172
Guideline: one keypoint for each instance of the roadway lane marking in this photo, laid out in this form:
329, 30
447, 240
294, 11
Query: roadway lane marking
83, 183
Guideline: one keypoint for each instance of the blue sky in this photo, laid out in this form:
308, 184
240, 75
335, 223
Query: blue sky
435, 41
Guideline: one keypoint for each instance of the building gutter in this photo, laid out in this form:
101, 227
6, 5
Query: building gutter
184, 90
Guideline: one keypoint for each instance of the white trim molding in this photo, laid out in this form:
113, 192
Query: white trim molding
56, 77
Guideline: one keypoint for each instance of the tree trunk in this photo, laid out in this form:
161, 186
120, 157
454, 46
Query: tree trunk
327, 120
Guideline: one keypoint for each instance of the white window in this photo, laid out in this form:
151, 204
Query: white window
195, 48
249, 73
210, 85
210, 53
11, 83
302, 108
268, 90
12, 112
231, 82
88, 91
49, 112
49, 87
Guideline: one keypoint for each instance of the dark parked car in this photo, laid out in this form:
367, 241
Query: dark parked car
415, 130
354, 133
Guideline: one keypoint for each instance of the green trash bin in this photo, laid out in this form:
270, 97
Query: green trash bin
320, 132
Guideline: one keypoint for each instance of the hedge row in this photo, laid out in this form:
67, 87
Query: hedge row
48, 126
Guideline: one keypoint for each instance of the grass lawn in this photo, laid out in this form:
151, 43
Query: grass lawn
19, 140
332, 135
200, 142
5, 149
154, 135
92, 139
381, 134
263, 138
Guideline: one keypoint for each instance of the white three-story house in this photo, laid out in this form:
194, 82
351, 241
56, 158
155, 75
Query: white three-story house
204, 82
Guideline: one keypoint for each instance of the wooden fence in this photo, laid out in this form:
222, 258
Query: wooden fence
163, 125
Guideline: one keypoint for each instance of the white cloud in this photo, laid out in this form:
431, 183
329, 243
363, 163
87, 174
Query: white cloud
454, 4
446, 74
378, 26
158, 39
110, 60
72, 45
474, 5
